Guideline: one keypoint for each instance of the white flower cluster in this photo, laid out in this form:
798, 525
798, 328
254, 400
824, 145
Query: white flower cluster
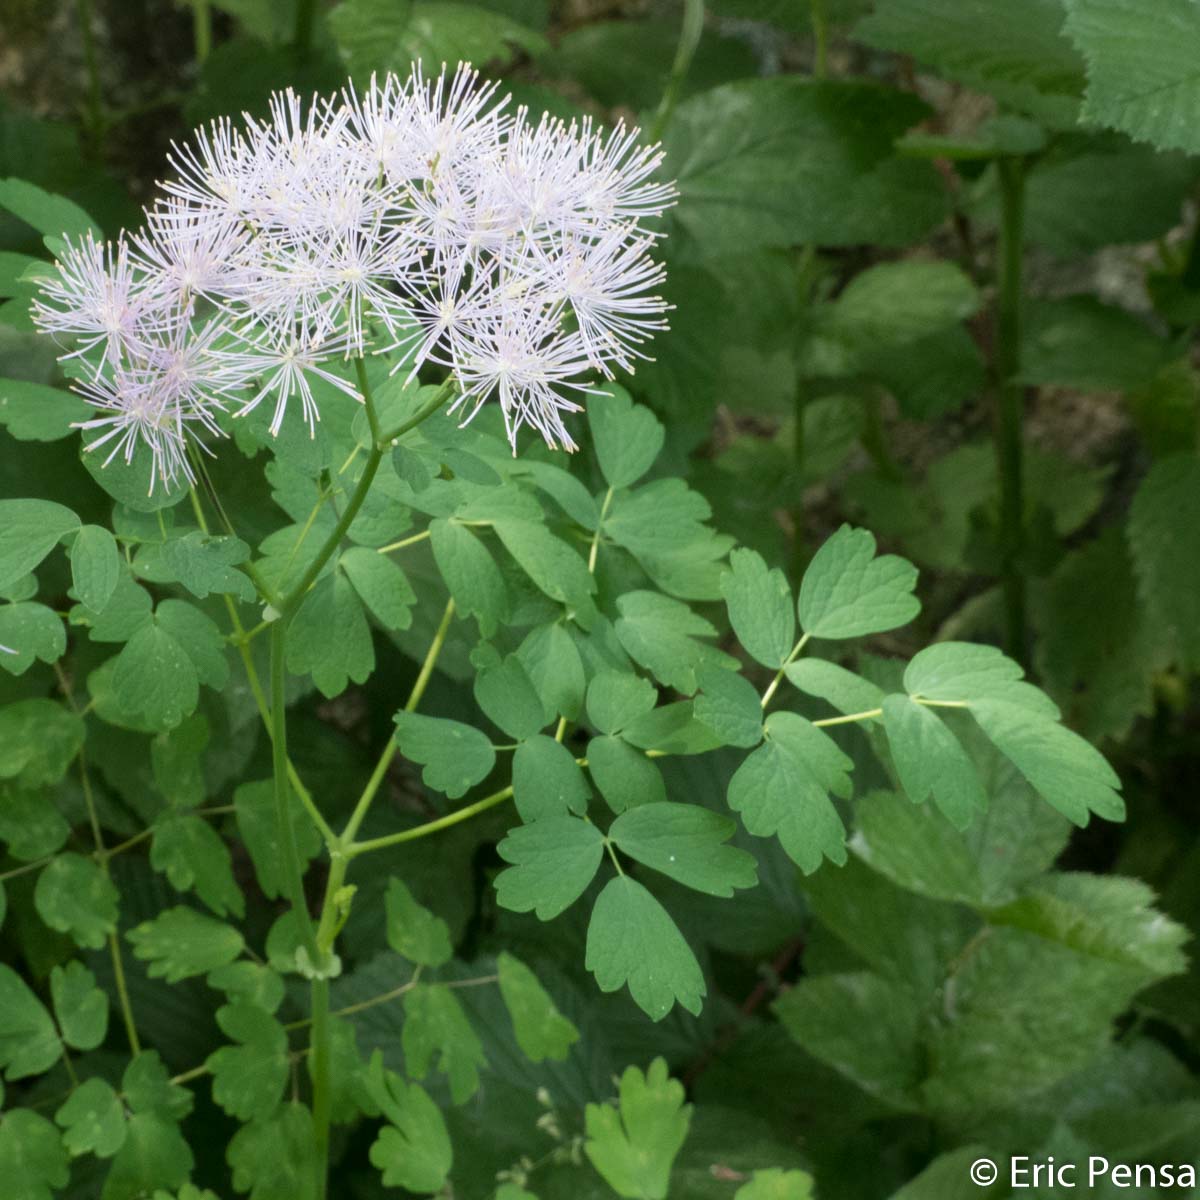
420, 217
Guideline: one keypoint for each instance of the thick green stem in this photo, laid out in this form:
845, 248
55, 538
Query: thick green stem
201, 29
689, 39
1010, 402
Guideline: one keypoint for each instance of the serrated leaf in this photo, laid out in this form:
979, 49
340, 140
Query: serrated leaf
471, 574
625, 776
80, 1007
783, 788
274, 1157
848, 592
92, 1120
661, 634
181, 942
329, 637
30, 632
29, 1042
760, 608
627, 437
554, 860
74, 896
453, 756
32, 1158
193, 855
728, 704
381, 585
147, 1088
254, 805
248, 983
29, 530
436, 1028
930, 761
249, 1078
95, 566
541, 1030
687, 843
413, 1150
547, 781
633, 940
634, 1145
616, 698
413, 931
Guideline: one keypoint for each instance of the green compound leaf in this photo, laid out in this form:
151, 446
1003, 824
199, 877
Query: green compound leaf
471, 574
845, 691
80, 1007
728, 704
555, 568
625, 776
95, 566
453, 756
552, 662
29, 530
632, 940
661, 634
202, 563
29, 1042
92, 1120
617, 698
547, 781
435, 1025
33, 412
627, 437
1141, 68
32, 1158
760, 608
541, 1030
413, 1150
147, 1088
687, 843
507, 695
634, 1145
254, 805
783, 788
777, 1184
381, 585
74, 896
413, 931
248, 983
181, 942
192, 855
249, 1078
38, 741
31, 632
847, 592
274, 1157
330, 638
554, 860
930, 761
958, 671
32, 827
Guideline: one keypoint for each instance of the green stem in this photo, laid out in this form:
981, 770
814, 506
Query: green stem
820, 24
95, 106
608, 498
202, 29
435, 402
420, 831
1010, 402
321, 1054
689, 39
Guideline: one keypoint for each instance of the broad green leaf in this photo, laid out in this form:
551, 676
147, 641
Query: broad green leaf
661, 634
74, 896
625, 776
554, 860
687, 843
92, 1120
615, 698
783, 788
845, 691
155, 678
202, 563
95, 566
437, 1033
134, 484
944, 1176
959, 671
471, 574
671, 729
413, 1149
33, 1163
627, 437
29, 530
80, 1007
30, 632
1141, 68
49, 214
181, 942
555, 568
760, 608
274, 1157
930, 761
329, 637
193, 855
362, 28
775, 1183
381, 585
848, 592
453, 756
728, 704
249, 1078
632, 940
246, 982
254, 805
507, 695
551, 660
177, 759
33, 412
413, 931
38, 741
29, 1042
147, 1088
547, 781
634, 1145
32, 827
128, 609
541, 1030
153, 1155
